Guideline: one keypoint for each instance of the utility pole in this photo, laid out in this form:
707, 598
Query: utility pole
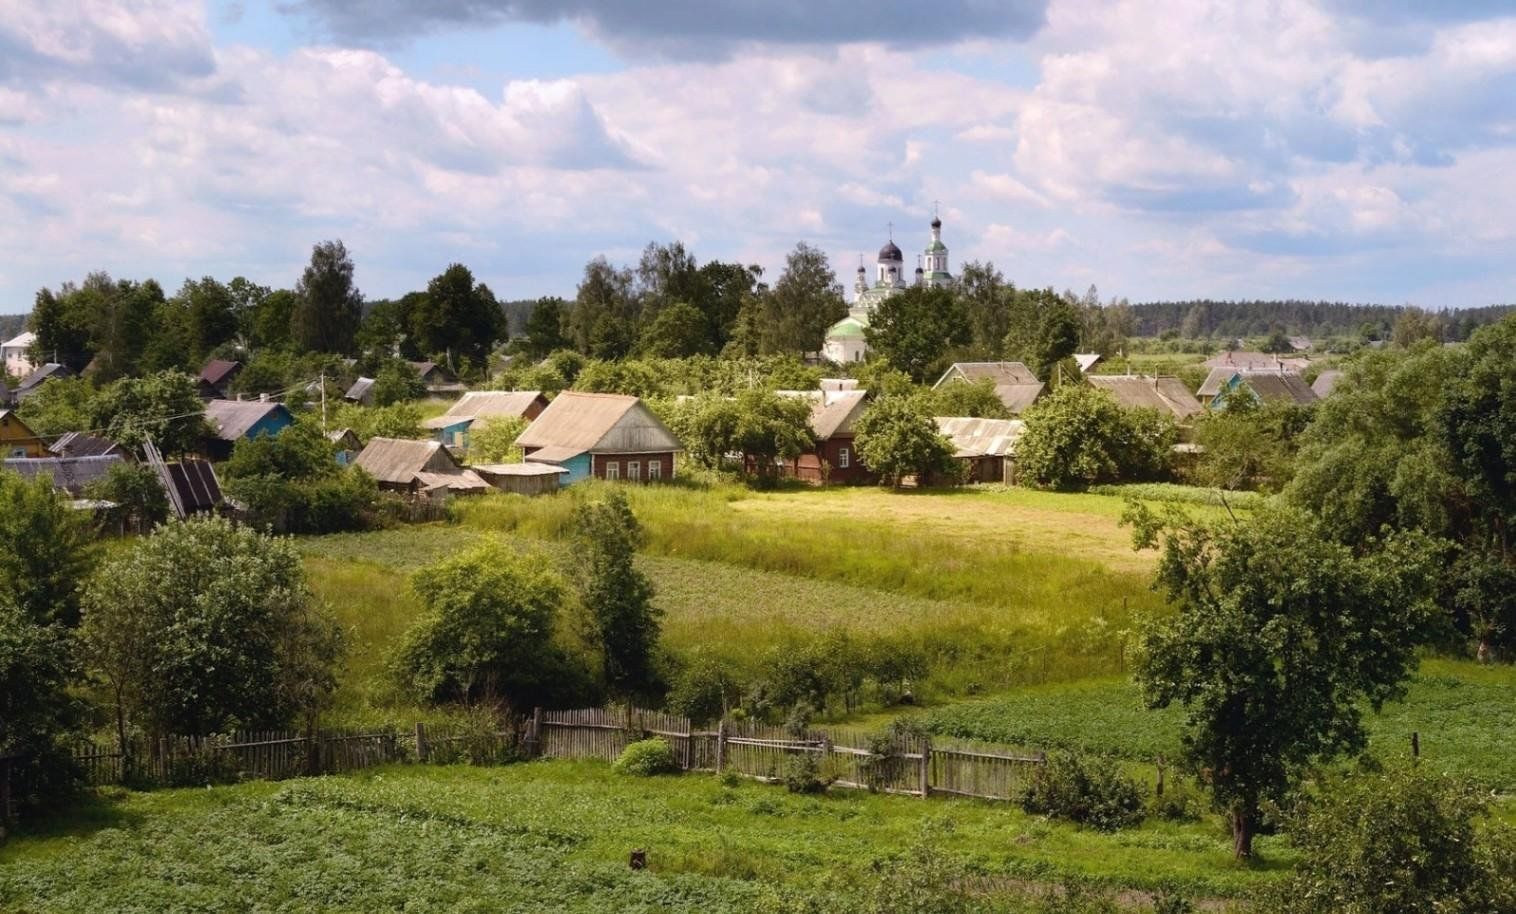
323, 403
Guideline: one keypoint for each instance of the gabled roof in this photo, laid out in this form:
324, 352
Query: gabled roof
837, 414
231, 420
1216, 381
216, 371
344, 436
849, 328
1086, 360
401, 461
577, 422
981, 437
487, 404
359, 390
1166, 395
23, 341
47, 372
1275, 387
1326, 382
68, 474
79, 444
1015, 384
192, 485
1255, 361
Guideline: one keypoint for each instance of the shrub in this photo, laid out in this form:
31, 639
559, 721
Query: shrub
1088, 790
1080, 436
803, 774
476, 736
1178, 803
646, 758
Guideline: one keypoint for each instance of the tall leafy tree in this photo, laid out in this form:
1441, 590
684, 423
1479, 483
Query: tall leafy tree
1078, 436
273, 319
679, 331
727, 286
668, 273
602, 320
897, 438
803, 304
130, 316
1280, 639
544, 327
247, 297
914, 330
985, 297
67, 321
210, 316
164, 408
328, 305
45, 551
456, 318
622, 624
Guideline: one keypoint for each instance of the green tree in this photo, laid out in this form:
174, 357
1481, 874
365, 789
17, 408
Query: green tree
328, 306
247, 298
1250, 445
397, 382
896, 438
456, 318
487, 632
977, 399
39, 715
210, 316
494, 440
984, 297
632, 377
1057, 338
1415, 325
401, 420
678, 331
803, 304
66, 321
1078, 436
914, 330
59, 406
205, 627
621, 623
129, 319
164, 408
45, 551
1392, 842
727, 287
137, 493
759, 424
1280, 638
274, 318
544, 328
1024, 338
601, 320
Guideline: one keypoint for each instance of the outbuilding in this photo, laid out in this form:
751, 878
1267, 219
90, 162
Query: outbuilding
421, 468
479, 407
986, 446
522, 478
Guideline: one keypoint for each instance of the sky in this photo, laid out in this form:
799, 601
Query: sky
1358, 150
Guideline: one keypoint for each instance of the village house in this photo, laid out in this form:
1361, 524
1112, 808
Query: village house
17, 438
231, 421
361, 392
1015, 384
16, 355
478, 408
834, 458
438, 380
345, 443
417, 468
607, 436
1168, 396
987, 447
33, 382
1226, 384
216, 379
1243, 360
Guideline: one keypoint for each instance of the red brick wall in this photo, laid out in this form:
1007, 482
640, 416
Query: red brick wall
665, 462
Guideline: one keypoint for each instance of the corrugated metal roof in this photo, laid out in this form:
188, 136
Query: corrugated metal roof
401, 460
576, 422
232, 419
837, 416
1167, 395
195, 486
1086, 360
78, 444
68, 474
486, 404
359, 390
981, 437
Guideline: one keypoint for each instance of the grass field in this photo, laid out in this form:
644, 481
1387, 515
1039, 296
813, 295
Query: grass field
554, 836
1464, 715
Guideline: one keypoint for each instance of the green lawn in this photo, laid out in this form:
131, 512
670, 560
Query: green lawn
555, 836
1464, 713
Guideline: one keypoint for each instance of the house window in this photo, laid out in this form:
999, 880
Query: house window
843, 458
634, 471
612, 470
655, 470
18, 452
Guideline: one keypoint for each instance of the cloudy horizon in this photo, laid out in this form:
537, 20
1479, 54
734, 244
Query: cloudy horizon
1319, 149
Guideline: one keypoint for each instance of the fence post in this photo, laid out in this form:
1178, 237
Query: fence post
721, 745
421, 747
926, 768
534, 735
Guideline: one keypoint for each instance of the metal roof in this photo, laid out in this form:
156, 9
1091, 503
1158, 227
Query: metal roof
518, 469
68, 474
1326, 382
218, 370
359, 390
576, 422
981, 437
233, 419
1215, 381
1167, 395
837, 413
1015, 384
22, 341
486, 404
78, 444
46, 373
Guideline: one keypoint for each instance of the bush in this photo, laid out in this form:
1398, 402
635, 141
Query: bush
1080, 436
1178, 803
1088, 790
646, 758
803, 774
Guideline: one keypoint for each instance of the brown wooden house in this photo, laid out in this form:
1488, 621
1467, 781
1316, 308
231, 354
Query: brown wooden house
607, 436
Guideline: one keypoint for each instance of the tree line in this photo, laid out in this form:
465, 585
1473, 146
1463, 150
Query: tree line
1212, 319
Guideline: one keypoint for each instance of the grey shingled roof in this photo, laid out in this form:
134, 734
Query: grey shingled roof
68, 474
576, 422
1276, 387
1166, 395
231, 419
486, 404
837, 414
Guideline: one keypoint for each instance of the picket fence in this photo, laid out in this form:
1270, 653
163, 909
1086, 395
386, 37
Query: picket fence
845, 757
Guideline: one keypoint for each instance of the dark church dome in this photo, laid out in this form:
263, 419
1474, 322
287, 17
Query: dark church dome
890, 252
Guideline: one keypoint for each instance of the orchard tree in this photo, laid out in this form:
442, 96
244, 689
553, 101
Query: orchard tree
494, 440
136, 492
976, 399
204, 627
803, 304
59, 406
45, 551
759, 424
1280, 639
487, 631
914, 330
896, 438
328, 306
621, 622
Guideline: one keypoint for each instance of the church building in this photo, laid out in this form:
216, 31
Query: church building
845, 340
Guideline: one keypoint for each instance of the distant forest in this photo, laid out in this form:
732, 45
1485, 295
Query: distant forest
1207, 319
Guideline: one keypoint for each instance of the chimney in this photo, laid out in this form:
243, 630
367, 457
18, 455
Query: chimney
263, 398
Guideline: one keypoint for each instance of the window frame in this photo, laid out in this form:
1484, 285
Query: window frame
612, 470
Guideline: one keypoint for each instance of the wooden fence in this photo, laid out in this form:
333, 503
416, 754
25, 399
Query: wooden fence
844, 757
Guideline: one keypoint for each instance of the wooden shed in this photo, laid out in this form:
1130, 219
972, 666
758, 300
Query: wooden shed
522, 478
986, 446
417, 468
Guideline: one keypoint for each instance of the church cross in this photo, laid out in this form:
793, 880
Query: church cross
892, 230
936, 205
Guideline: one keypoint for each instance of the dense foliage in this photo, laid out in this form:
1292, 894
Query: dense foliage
291, 483
39, 715
1280, 638
621, 623
645, 758
1079, 436
897, 438
1089, 790
45, 551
